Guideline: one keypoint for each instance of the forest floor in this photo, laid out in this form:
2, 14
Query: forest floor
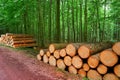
19, 64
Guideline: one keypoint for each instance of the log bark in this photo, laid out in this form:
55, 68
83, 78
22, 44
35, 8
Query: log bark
52, 61
117, 70
72, 69
39, 57
116, 48
77, 62
94, 75
19, 39
21, 35
45, 59
110, 76
102, 69
43, 51
67, 60
108, 58
89, 49
93, 60
55, 46
82, 73
61, 64
72, 48
62, 52
57, 54
86, 67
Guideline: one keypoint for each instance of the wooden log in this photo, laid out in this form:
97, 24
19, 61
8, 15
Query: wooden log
86, 67
72, 69
23, 42
39, 57
72, 48
21, 36
52, 60
102, 69
82, 73
62, 52
57, 54
56, 46
48, 54
67, 60
117, 70
110, 76
108, 58
61, 64
94, 75
116, 48
24, 45
77, 62
89, 49
93, 61
42, 51
45, 59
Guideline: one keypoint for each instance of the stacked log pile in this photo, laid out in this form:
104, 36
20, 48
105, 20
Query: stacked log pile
97, 61
17, 40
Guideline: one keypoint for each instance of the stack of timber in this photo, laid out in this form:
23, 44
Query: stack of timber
17, 40
97, 61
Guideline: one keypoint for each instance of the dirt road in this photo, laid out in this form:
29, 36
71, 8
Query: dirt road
16, 65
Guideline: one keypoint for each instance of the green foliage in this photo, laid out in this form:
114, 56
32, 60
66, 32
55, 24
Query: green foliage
79, 20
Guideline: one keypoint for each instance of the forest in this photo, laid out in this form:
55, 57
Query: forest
62, 21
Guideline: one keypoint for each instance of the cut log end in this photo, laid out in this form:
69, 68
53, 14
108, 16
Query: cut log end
86, 67
52, 61
117, 70
71, 50
110, 76
94, 75
102, 69
93, 61
82, 72
57, 54
116, 48
61, 64
51, 48
62, 53
72, 69
108, 58
77, 62
39, 57
45, 59
67, 60
48, 54
84, 52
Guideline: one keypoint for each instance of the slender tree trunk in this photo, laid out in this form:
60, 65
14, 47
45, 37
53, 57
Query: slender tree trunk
85, 21
81, 39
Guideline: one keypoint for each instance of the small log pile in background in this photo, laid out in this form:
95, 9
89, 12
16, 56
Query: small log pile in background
97, 61
17, 40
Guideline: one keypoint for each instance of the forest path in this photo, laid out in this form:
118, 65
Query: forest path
17, 65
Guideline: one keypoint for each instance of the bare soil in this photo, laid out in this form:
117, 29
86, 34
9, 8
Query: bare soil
18, 65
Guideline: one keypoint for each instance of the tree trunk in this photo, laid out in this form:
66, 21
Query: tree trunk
52, 61
77, 62
61, 64
89, 49
93, 61
117, 70
116, 48
63, 53
102, 69
55, 46
72, 69
94, 75
71, 49
67, 60
110, 76
108, 58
